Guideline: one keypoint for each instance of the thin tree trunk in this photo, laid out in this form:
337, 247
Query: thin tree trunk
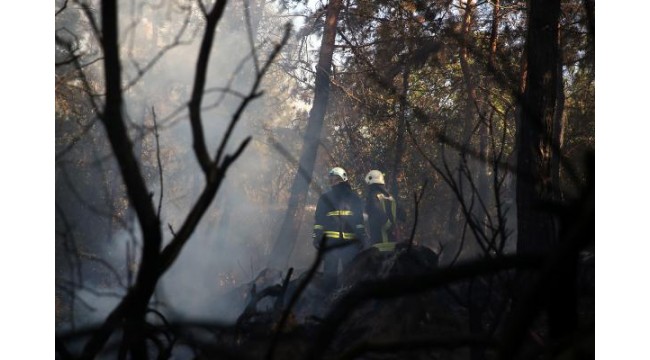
482, 173
494, 35
484, 133
558, 125
470, 87
131, 310
286, 239
135, 185
401, 130
475, 166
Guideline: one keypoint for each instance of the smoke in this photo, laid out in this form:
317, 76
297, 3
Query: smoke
231, 244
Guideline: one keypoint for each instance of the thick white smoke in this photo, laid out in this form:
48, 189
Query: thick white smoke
231, 244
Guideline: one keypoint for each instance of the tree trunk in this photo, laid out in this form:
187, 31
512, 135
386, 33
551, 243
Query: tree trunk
470, 87
535, 228
477, 167
484, 130
558, 126
287, 237
494, 34
401, 131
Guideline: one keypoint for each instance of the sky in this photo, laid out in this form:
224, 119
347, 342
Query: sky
27, 188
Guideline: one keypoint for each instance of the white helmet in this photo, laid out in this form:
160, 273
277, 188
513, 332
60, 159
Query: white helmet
337, 171
375, 177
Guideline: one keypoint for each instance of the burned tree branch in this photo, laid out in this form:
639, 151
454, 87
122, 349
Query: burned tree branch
159, 162
417, 200
141, 71
253, 92
135, 301
200, 148
216, 171
155, 262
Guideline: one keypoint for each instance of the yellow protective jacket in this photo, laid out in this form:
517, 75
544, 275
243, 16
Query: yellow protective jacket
339, 216
383, 214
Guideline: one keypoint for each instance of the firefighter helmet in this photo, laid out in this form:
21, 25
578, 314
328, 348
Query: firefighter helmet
375, 177
337, 171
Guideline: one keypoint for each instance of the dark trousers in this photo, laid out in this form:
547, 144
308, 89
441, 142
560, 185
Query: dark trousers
331, 260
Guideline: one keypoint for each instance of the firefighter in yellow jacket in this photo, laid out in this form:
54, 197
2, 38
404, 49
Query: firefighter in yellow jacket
383, 213
339, 219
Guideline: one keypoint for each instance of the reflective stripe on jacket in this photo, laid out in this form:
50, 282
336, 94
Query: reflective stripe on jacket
339, 215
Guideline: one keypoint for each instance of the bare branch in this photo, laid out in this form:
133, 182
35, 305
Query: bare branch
417, 200
228, 87
251, 35
225, 90
176, 42
200, 149
204, 11
70, 245
253, 92
292, 160
113, 121
85, 203
65, 5
215, 171
71, 290
76, 61
215, 177
160, 168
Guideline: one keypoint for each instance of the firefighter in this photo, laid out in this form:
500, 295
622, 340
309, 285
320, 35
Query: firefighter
383, 213
339, 219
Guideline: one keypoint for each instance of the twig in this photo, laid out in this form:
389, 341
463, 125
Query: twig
160, 168
200, 149
177, 42
253, 94
65, 5
249, 31
417, 200
285, 285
